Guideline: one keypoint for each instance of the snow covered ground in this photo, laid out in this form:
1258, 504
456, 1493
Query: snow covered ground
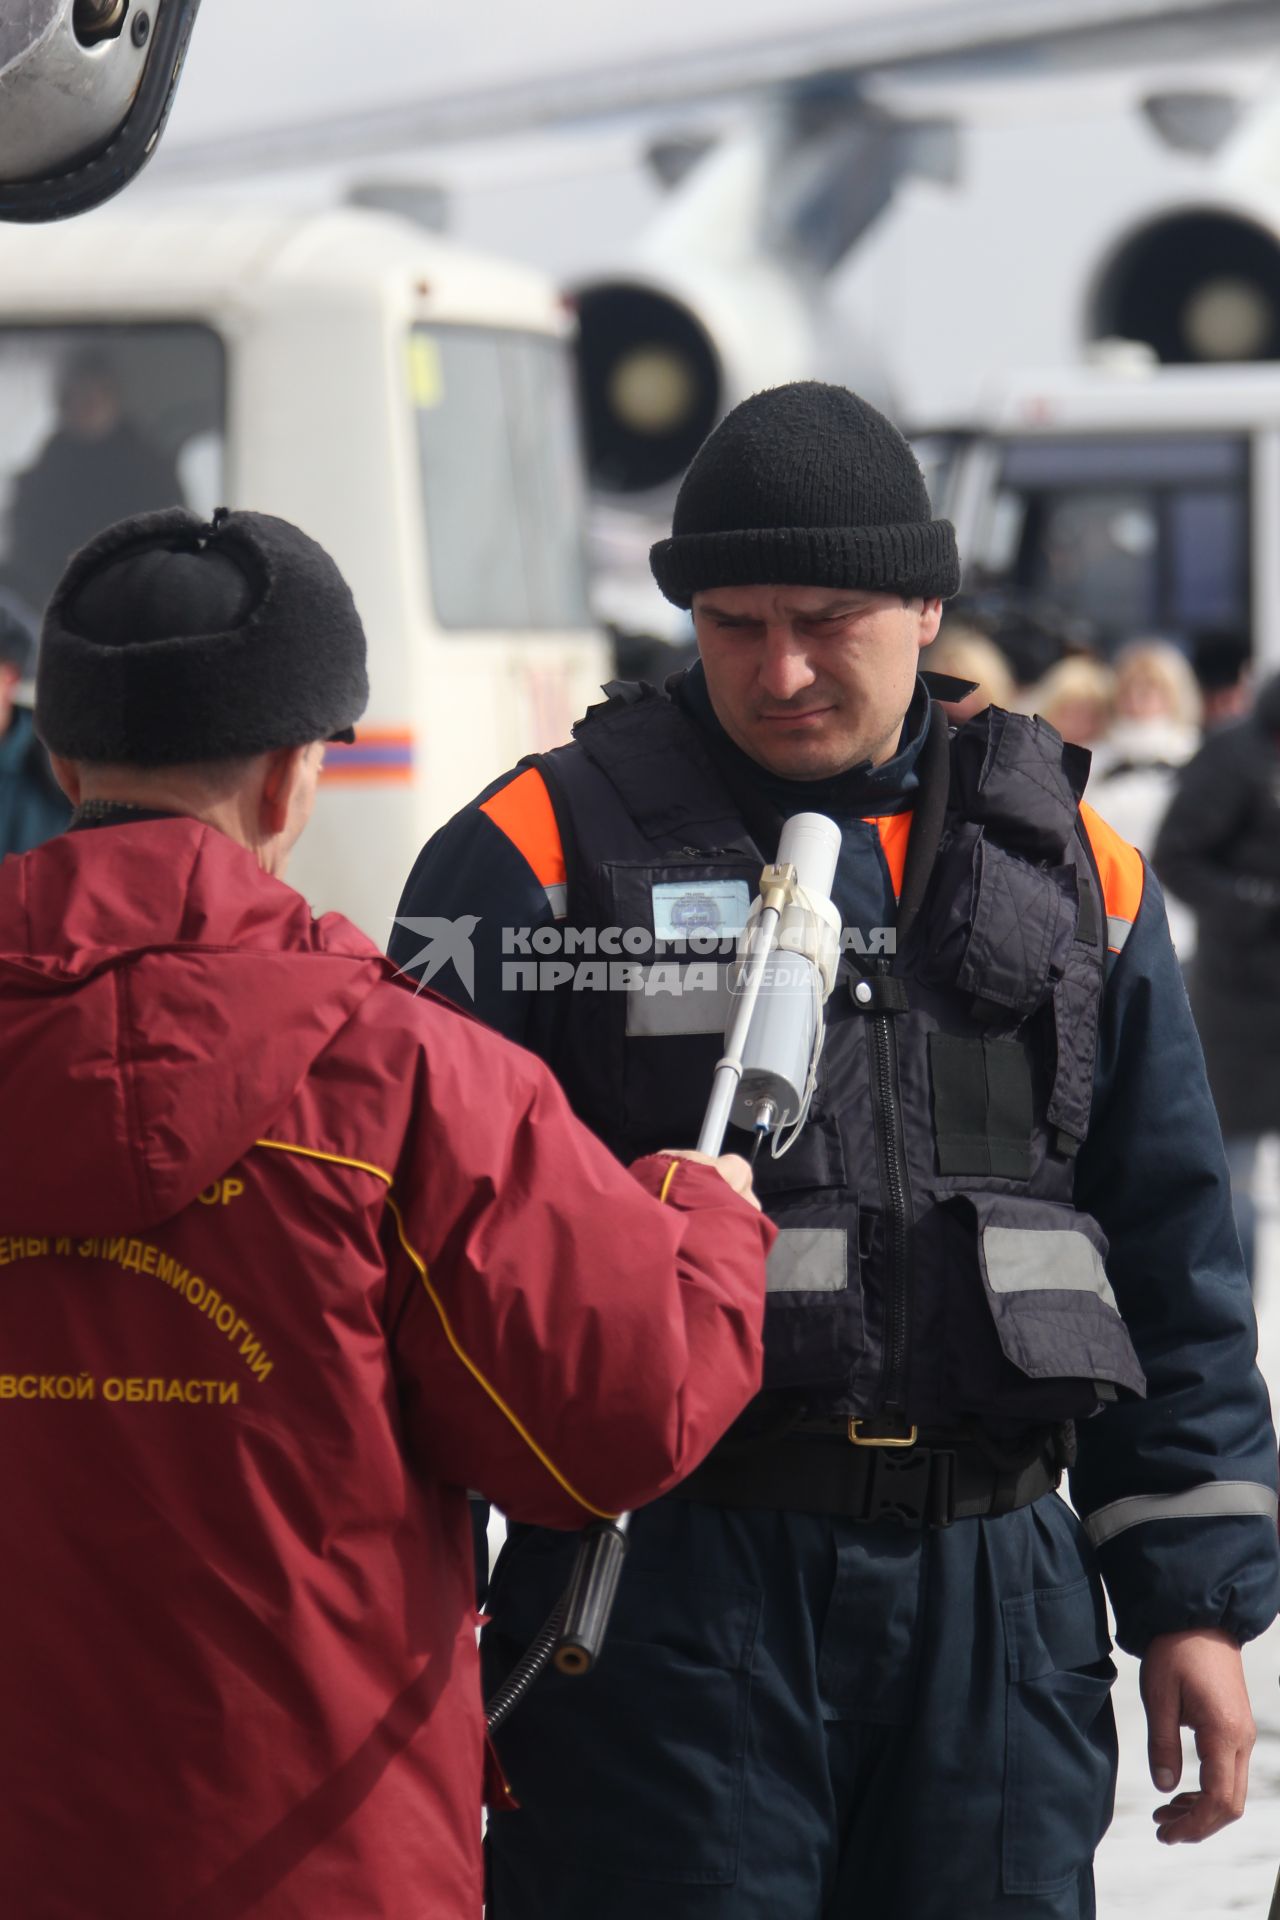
1235, 1872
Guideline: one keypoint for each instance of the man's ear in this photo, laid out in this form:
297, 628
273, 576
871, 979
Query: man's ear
67, 775
281, 775
930, 621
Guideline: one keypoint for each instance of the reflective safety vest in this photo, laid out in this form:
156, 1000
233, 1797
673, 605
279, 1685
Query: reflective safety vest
931, 1265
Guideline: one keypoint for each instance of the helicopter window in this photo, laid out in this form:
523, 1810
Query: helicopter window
97, 422
1122, 537
501, 477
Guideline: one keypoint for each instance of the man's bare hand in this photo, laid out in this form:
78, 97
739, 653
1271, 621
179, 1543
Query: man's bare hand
730, 1166
1197, 1680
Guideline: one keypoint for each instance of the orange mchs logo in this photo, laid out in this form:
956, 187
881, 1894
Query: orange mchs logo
379, 756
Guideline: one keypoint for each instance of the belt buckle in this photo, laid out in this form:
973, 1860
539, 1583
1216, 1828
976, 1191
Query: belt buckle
858, 1439
900, 1489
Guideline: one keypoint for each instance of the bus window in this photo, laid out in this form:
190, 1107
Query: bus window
1122, 537
98, 422
501, 479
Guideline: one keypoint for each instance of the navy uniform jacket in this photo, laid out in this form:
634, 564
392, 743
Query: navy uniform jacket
32, 806
1178, 1491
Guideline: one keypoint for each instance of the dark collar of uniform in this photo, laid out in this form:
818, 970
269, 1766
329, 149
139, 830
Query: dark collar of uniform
860, 793
115, 813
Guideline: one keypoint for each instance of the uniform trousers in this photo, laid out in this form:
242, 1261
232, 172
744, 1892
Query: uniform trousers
798, 1717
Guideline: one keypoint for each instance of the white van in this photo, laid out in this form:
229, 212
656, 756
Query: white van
1124, 501
409, 404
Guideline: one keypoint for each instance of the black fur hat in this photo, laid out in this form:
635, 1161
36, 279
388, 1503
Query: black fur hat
806, 486
172, 640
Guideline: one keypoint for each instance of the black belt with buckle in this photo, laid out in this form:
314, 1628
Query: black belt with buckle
840, 1468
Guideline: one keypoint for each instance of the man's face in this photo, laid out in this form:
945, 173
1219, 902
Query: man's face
811, 681
91, 407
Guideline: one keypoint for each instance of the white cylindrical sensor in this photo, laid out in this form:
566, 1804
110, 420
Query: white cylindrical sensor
779, 1047
775, 1059
811, 844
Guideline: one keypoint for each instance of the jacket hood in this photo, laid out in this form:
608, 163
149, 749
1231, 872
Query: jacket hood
161, 1001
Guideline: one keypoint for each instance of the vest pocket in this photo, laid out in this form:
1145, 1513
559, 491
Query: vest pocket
814, 1334
1024, 920
1060, 1737
809, 1260
1037, 1333
1000, 929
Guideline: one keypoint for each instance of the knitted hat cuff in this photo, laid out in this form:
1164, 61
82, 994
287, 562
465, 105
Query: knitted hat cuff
917, 559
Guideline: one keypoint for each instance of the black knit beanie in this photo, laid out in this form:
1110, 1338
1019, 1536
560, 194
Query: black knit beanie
170, 640
806, 485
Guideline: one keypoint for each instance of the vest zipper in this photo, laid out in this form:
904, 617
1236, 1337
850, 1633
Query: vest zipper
891, 1152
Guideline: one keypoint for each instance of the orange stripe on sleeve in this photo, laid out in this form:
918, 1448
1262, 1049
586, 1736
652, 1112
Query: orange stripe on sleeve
895, 831
1119, 868
523, 811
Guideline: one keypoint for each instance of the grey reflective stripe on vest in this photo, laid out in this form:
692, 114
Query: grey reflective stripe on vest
1118, 932
558, 899
702, 1005
1215, 1499
1049, 1260
809, 1260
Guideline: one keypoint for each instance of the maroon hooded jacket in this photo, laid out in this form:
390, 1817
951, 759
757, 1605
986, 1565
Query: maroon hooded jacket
288, 1259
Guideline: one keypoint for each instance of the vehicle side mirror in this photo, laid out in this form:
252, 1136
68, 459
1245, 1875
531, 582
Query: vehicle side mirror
86, 87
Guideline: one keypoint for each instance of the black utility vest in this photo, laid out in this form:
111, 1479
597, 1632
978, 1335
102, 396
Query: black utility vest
931, 1263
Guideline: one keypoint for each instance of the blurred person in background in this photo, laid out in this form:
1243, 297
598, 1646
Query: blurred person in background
1077, 697
1219, 851
1155, 731
33, 806
96, 468
1221, 663
1032, 638
967, 653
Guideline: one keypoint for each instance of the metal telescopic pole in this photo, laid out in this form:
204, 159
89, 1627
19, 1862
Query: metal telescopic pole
598, 1567
572, 1637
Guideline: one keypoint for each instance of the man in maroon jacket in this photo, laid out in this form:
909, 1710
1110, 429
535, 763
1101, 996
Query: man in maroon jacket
291, 1258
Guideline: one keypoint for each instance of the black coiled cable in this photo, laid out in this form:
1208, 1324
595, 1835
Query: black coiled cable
534, 1660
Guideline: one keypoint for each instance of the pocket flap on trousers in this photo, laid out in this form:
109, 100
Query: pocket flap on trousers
1054, 1630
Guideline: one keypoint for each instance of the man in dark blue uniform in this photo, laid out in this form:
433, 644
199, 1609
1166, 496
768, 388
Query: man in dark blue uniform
859, 1662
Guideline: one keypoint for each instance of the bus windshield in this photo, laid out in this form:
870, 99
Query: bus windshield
501, 479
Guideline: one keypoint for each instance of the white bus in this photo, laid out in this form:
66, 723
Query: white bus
407, 403
1125, 502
